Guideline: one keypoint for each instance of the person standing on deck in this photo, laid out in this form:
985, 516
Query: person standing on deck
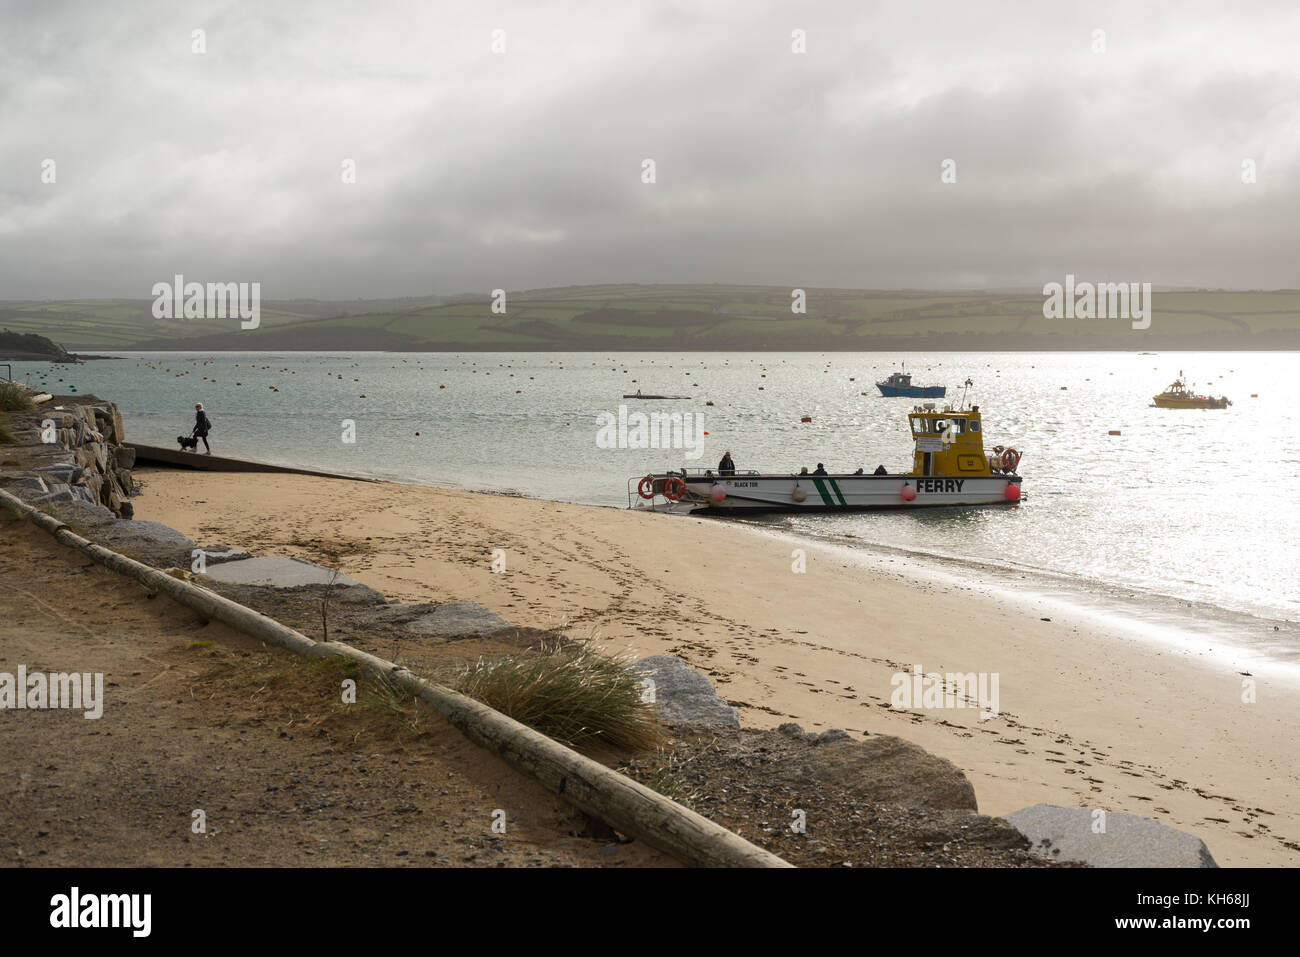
726, 466
202, 426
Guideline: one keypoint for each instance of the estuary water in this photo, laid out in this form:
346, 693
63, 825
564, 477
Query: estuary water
1192, 509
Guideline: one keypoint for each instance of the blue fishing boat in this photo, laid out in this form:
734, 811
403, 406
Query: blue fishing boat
900, 383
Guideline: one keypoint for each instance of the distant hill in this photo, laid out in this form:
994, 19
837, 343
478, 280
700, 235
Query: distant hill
680, 318
28, 345
106, 324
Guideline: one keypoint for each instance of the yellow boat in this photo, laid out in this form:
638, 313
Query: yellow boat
1178, 396
948, 467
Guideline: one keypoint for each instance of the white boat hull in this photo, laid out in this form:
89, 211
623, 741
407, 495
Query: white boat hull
842, 492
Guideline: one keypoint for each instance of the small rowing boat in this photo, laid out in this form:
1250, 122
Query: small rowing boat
637, 395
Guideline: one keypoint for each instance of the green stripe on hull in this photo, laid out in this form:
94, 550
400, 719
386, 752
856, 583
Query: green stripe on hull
838, 494
821, 490
826, 496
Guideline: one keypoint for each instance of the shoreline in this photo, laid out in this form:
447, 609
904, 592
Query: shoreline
1088, 717
1151, 616
1080, 597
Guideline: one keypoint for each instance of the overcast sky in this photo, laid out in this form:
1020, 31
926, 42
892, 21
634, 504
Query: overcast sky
522, 169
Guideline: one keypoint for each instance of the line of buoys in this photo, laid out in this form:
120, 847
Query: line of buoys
806, 418
1113, 432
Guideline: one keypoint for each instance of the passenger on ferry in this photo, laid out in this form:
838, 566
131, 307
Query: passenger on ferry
880, 470
820, 470
726, 466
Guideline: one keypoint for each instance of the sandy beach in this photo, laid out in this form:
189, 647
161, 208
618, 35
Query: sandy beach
1088, 716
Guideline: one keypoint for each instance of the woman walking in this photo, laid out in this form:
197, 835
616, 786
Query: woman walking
202, 427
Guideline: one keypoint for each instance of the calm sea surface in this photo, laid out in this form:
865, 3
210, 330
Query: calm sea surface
1192, 508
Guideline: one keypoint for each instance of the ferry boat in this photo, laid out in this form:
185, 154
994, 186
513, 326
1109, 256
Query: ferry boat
1178, 396
900, 383
949, 467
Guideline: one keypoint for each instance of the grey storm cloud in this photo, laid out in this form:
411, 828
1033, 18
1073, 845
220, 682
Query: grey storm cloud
522, 169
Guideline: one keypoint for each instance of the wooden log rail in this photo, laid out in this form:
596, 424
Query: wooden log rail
591, 787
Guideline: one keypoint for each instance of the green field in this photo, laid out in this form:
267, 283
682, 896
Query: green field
677, 317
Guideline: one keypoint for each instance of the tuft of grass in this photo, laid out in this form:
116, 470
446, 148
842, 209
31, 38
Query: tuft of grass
14, 398
397, 704
382, 694
335, 667
570, 692
669, 778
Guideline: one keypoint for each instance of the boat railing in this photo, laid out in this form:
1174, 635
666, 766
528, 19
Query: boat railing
635, 500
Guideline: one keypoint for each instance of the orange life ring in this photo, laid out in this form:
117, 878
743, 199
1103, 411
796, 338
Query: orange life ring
1010, 459
674, 489
647, 487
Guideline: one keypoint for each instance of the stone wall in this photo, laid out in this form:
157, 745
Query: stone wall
86, 461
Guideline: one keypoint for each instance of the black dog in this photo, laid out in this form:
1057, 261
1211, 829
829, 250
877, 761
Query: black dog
188, 442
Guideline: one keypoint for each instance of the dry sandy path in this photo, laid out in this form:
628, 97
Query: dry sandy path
197, 716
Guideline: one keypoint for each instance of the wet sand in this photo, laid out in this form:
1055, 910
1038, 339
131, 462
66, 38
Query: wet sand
1090, 715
